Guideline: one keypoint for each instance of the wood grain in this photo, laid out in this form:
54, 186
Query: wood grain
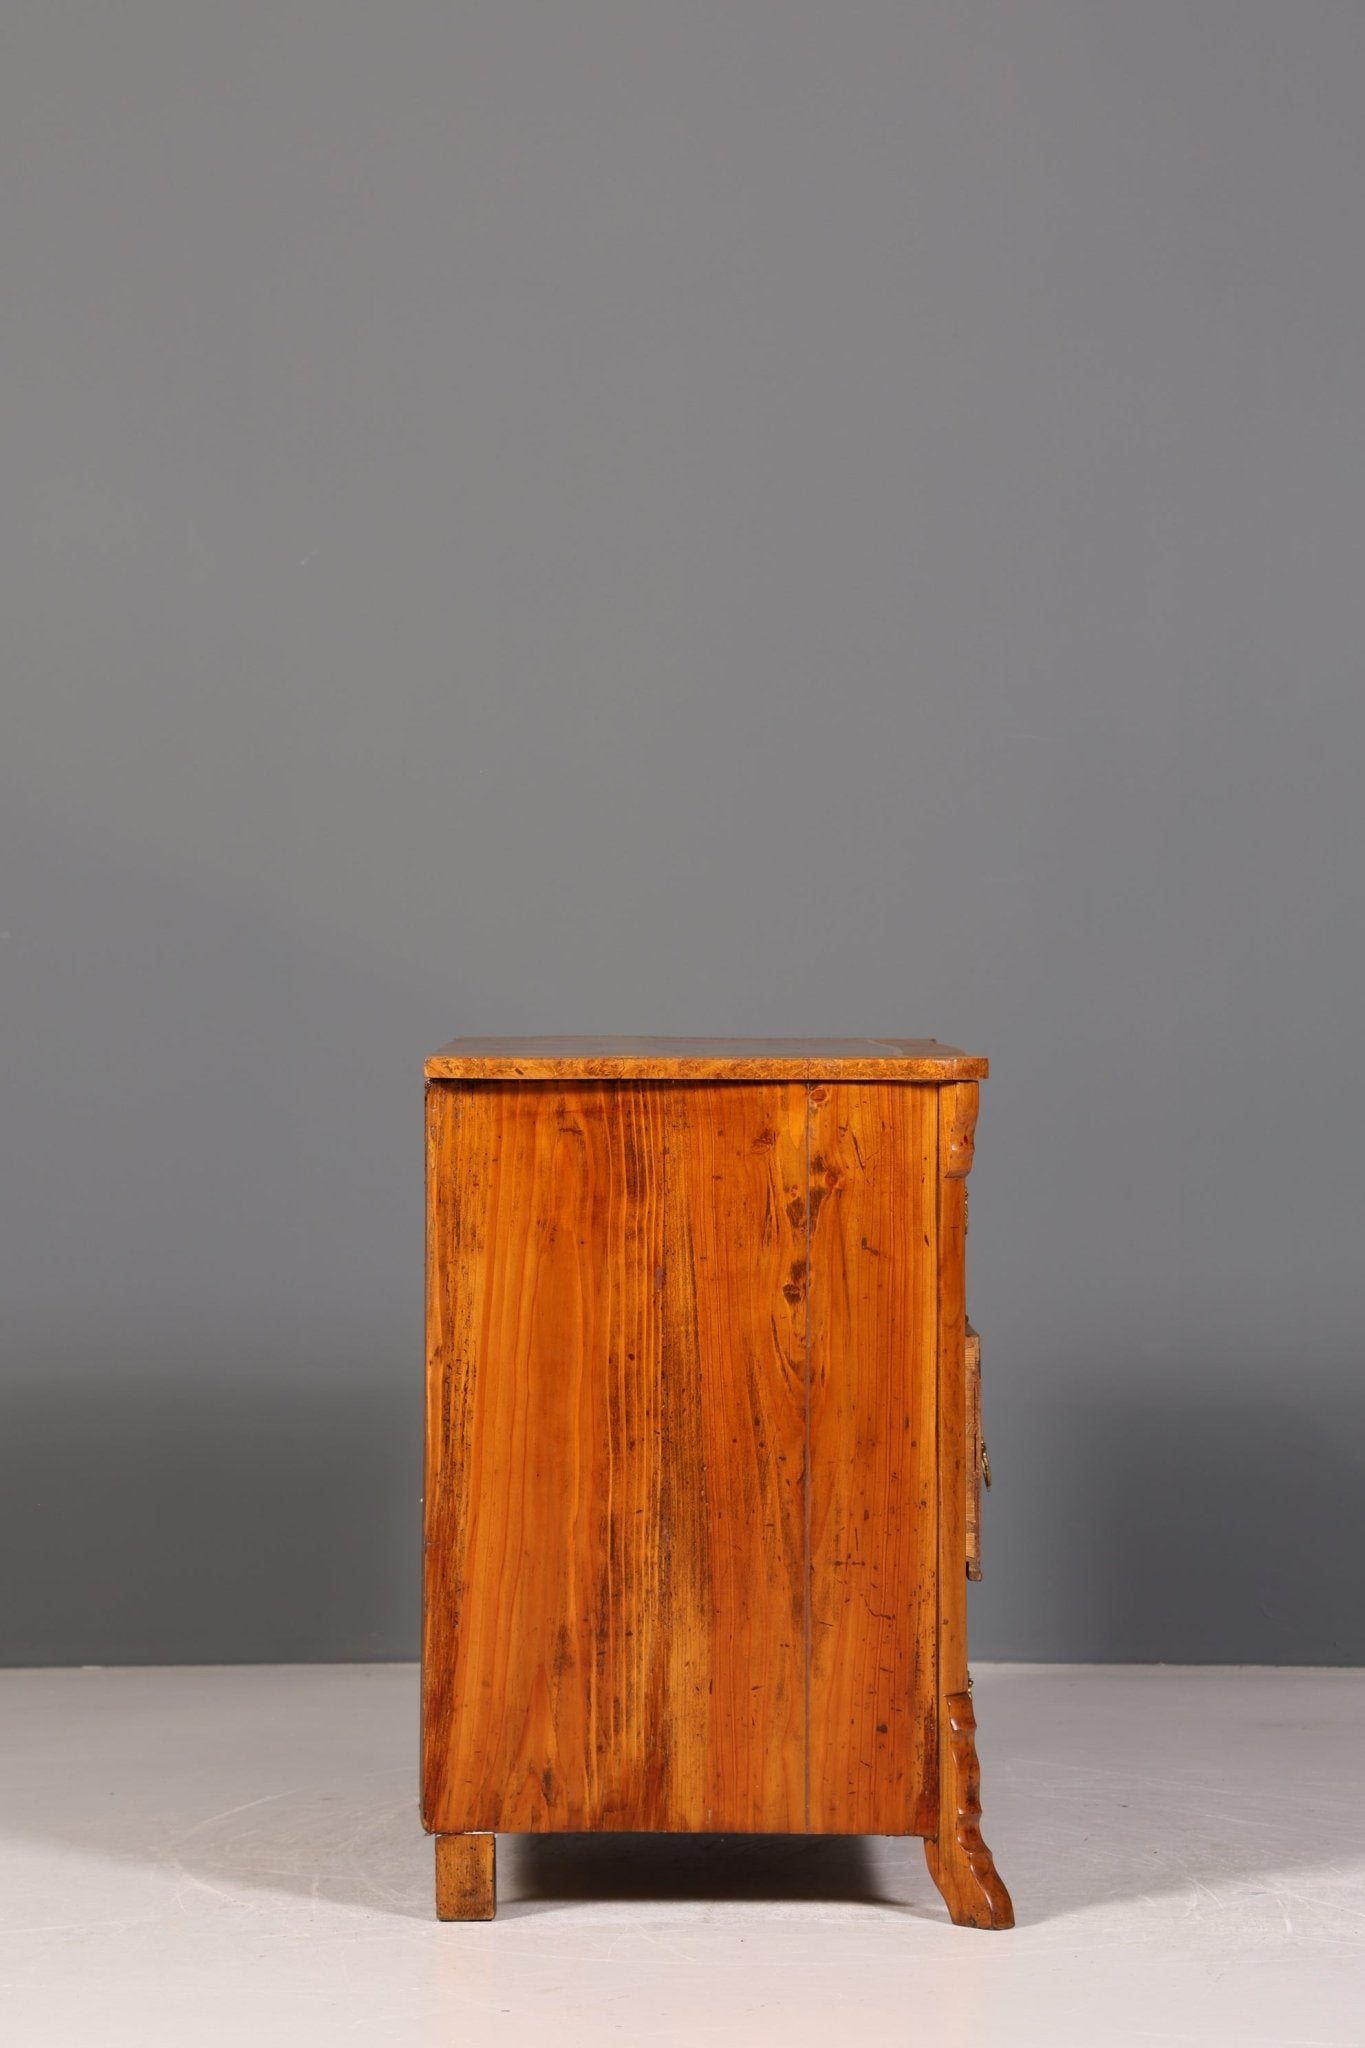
717, 1059
733, 1526
873, 1178
957, 1107
701, 1452
959, 1862
547, 1609
466, 1877
974, 1451
615, 1424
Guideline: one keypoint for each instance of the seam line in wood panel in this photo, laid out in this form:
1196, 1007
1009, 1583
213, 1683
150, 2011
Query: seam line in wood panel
807, 1558
428, 1490
660, 1481
938, 1459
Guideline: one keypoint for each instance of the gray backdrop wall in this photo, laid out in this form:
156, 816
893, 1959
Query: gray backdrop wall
774, 517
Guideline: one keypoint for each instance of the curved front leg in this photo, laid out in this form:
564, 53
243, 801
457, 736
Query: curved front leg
960, 1864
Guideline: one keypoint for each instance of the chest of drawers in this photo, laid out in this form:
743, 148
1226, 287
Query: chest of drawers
702, 1449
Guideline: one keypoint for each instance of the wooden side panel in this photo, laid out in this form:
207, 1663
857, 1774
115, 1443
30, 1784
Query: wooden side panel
548, 1597
734, 1393
873, 1505
957, 1108
616, 1390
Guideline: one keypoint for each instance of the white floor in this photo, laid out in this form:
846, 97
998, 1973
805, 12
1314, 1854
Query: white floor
232, 1856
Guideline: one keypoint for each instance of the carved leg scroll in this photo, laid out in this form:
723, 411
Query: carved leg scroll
959, 1862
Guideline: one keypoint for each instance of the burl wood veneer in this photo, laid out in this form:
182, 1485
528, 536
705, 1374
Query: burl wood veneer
702, 1449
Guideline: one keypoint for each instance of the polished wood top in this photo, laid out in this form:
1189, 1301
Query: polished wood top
703, 1059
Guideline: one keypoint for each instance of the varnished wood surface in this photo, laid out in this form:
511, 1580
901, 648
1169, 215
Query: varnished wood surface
975, 1452
697, 1059
700, 1454
680, 1488
873, 1281
734, 1365
466, 1877
956, 1109
959, 1862
548, 1619
615, 1522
